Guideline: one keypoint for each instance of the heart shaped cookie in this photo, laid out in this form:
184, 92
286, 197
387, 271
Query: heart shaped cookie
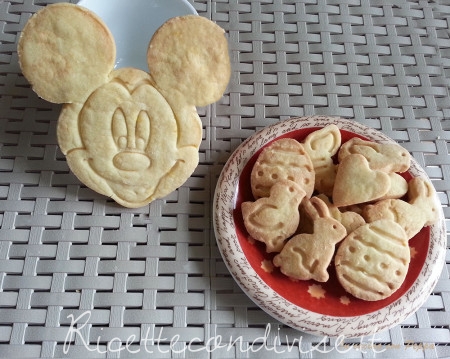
356, 182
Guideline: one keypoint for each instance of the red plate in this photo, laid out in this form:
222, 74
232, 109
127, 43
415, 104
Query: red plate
318, 308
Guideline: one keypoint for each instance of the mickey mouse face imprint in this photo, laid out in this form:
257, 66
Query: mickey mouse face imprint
131, 139
127, 134
136, 147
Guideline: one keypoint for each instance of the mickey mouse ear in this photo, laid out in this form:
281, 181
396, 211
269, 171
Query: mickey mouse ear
190, 54
65, 52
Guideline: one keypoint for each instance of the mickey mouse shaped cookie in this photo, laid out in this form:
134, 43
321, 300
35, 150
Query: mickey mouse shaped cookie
127, 134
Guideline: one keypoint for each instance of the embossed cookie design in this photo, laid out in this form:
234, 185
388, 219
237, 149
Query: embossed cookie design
283, 159
387, 157
368, 211
321, 146
372, 262
349, 219
130, 135
420, 210
275, 218
307, 256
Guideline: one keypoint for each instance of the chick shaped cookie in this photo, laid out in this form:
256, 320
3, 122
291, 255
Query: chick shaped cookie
273, 219
307, 256
321, 146
420, 210
127, 134
286, 159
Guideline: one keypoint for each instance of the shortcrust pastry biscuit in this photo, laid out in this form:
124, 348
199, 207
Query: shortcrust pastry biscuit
387, 157
127, 134
321, 146
307, 256
372, 261
357, 183
274, 219
283, 159
412, 215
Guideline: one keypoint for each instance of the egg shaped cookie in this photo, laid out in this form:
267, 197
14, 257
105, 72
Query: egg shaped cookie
372, 262
284, 159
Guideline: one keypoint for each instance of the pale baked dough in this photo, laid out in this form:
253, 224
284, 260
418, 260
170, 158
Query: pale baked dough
372, 261
283, 159
66, 51
135, 157
275, 218
307, 256
190, 55
127, 134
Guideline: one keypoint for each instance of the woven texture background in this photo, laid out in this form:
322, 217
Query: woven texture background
66, 252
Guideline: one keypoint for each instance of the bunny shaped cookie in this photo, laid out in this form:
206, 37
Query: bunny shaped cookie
386, 157
349, 219
307, 256
127, 134
420, 210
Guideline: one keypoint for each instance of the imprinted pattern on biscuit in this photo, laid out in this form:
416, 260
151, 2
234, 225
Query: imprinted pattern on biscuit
283, 159
372, 262
365, 215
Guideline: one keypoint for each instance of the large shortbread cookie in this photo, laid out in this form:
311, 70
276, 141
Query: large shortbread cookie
65, 51
127, 134
372, 261
283, 159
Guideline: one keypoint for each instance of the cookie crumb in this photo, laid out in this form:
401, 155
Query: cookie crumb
316, 291
267, 266
344, 300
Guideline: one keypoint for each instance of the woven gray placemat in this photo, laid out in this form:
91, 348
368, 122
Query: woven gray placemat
70, 258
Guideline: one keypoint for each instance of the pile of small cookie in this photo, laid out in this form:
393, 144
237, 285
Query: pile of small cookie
321, 201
